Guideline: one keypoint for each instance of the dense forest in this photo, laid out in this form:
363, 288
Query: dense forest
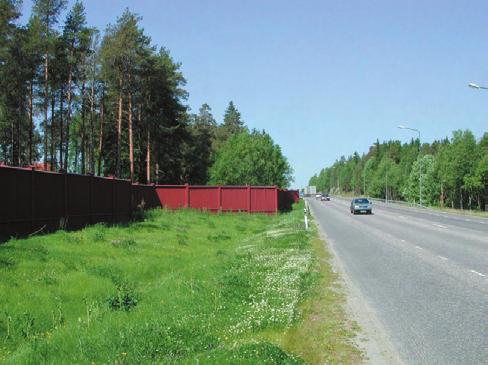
450, 172
77, 99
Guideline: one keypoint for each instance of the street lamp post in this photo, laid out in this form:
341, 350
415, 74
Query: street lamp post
420, 161
476, 86
472, 85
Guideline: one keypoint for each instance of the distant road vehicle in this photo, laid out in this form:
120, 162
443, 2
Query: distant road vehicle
361, 205
317, 196
310, 190
325, 198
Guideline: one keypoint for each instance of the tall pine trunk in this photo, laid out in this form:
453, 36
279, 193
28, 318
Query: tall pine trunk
100, 135
12, 142
119, 130
90, 139
131, 146
31, 121
68, 115
17, 132
82, 130
51, 157
148, 157
75, 160
61, 104
140, 146
46, 90
46, 102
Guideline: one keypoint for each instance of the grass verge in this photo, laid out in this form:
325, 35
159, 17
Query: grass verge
467, 212
181, 287
324, 335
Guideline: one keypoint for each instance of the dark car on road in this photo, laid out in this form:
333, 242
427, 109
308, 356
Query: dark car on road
325, 198
361, 205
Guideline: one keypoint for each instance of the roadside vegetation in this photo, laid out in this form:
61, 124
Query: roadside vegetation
474, 213
180, 287
454, 172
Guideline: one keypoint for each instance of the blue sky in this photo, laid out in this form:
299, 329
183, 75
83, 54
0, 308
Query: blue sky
325, 78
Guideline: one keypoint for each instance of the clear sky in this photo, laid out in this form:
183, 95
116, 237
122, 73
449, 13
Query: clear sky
325, 78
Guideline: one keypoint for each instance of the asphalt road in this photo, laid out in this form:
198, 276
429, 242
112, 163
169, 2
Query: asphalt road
424, 273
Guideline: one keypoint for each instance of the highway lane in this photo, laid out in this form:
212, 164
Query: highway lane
455, 220
465, 244
425, 275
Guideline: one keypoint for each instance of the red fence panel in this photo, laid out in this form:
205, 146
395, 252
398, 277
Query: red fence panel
150, 196
264, 199
123, 209
101, 199
235, 198
48, 206
204, 197
15, 201
295, 195
36, 200
78, 200
172, 196
286, 198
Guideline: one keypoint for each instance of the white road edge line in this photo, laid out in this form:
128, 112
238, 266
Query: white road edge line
438, 225
442, 257
477, 273
420, 248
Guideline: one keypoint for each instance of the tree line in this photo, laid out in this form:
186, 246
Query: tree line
450, 172
106, 103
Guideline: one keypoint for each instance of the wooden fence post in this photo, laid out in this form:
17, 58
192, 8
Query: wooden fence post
219, 203
276, 192
249, 198
187, 191
90, 198
131, 198
113, 200
66, 205
32, 199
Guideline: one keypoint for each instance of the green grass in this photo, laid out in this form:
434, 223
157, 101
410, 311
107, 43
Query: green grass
474, 213
324, 334
182, 287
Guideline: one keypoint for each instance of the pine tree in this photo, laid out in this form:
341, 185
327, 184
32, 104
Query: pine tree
75, 37
199, 152
47, 11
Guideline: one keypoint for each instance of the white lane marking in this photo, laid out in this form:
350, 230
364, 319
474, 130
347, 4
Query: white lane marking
403, 240
467, 220
477, 273
402, 216
438, 225
418, 247
442, 257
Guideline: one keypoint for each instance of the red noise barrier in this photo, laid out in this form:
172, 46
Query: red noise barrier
34, 201
254, 199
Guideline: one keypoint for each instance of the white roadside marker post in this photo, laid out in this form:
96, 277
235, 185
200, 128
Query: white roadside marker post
306, 218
